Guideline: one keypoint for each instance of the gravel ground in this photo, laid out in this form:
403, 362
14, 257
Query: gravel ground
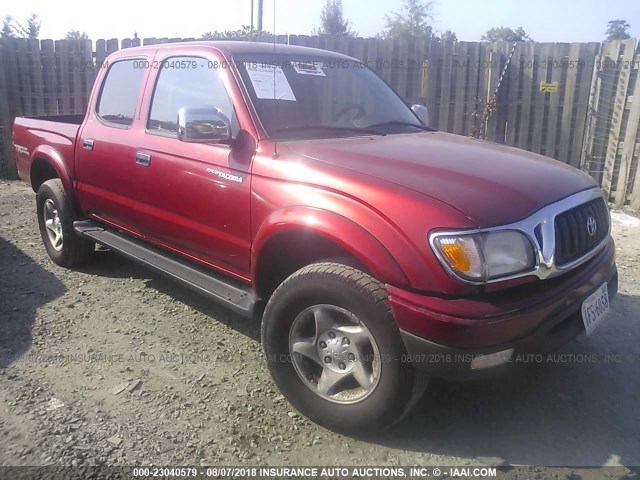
114, 365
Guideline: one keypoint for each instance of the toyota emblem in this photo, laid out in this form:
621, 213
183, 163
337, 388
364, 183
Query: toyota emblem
592, 226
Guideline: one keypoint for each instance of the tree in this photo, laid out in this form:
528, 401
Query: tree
12, 29
32, 29
333, 22
8, 30
617, 30
244, 32
76, 35
449, 36
414, 19
506, 34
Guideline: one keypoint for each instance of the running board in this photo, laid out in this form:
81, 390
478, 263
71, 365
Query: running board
227, 292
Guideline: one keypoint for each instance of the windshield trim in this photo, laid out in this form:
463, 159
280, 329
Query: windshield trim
238, 58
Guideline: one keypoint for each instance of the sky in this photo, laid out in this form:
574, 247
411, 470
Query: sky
543, 20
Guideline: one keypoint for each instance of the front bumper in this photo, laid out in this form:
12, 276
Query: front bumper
443, 336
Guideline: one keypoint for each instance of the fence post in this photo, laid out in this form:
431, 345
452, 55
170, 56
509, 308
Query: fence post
629, 139
592, 117
635, 193
460, 69
7, 167
585, 88
554, 108
493, 78
619, 102
49, 79
445, 92
432, 87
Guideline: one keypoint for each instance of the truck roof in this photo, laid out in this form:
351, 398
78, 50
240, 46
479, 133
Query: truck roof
230, 48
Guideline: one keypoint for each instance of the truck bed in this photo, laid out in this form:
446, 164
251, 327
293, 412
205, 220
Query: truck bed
58, 132
75, 118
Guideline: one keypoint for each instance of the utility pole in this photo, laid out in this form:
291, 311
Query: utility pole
260, 9
251, 16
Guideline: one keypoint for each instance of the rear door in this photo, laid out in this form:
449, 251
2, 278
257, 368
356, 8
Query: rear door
195, 196
106, 151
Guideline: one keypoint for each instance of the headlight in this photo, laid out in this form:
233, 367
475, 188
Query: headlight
480, 257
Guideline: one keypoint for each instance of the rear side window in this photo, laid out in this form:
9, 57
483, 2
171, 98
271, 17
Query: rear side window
187, 82
120, 91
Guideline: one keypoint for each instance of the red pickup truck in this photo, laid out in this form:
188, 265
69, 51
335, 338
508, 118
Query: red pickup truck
294, 185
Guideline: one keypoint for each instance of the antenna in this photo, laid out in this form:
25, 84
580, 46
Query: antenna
275, 65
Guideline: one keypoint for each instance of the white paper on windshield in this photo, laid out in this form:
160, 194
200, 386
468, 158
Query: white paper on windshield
270, 82
311, 68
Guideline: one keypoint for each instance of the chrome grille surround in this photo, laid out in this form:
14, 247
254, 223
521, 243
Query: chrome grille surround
540, 229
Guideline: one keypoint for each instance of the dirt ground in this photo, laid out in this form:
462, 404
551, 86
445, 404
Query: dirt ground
114, 365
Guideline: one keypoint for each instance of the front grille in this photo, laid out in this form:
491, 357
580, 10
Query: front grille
573, 236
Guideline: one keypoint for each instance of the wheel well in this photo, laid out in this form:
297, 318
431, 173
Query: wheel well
289, 252
41, 171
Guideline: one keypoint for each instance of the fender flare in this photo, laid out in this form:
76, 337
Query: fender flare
337, 229
53, 157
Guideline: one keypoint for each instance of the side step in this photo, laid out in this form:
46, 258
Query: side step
227, 292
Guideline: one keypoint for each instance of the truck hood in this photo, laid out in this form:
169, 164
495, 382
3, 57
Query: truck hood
492, 184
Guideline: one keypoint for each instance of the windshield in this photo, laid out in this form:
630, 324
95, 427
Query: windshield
321, 97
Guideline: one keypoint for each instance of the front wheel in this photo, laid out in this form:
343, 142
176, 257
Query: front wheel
55, 218
334, 350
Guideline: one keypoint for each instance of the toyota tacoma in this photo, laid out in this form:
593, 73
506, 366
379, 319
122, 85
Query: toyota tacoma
295, 186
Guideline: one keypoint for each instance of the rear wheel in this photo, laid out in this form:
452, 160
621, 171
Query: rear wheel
334, 350
55, 218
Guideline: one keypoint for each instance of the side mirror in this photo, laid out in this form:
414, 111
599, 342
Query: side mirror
421, 112
203, 125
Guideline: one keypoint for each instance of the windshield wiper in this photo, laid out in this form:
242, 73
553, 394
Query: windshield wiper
370, 129
402, 124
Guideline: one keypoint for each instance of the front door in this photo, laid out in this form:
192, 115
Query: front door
196, 196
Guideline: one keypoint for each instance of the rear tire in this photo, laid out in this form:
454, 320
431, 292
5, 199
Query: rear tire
334, 350
55, 218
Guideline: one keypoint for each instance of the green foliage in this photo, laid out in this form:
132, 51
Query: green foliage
32, 29
506, 34
12, 29
414, 19
617, 30
244, 32
8, 30
76, 35
333, 22
449, 36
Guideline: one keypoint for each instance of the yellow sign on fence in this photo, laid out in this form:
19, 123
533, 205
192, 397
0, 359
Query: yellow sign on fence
548, 87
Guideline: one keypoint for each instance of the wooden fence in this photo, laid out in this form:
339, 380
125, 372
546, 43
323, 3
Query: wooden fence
612, 147
572, 102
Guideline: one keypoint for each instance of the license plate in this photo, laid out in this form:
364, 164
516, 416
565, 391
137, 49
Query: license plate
594, 308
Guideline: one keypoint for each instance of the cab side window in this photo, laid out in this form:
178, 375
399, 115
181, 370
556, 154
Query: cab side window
120, 92
187, 82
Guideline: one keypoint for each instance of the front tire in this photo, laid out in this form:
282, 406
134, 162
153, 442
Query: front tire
55, 218
334, 350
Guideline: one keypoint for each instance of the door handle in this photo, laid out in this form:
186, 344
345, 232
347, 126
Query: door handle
143, 159
87, 143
